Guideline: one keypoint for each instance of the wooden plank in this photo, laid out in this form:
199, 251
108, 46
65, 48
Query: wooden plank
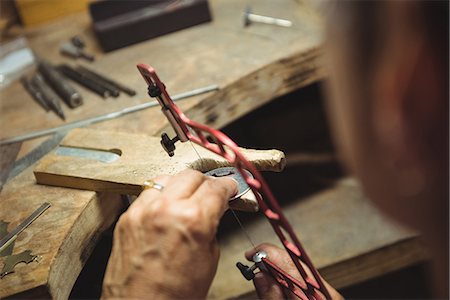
141, 158
394, 256
258, 88
34, 12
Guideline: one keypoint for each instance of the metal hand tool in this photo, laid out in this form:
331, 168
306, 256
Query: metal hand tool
78, 42
12, 260
105, 117
250, 18
312, 285
70, 50
35, 93
11, 237
103, 78
114, 90
60, 85
48, 95
3, 232
248, 272
37, 153
83, 80
8, 155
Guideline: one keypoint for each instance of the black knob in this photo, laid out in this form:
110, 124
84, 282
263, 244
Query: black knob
168, 144
154, 91
246, 271
78, 42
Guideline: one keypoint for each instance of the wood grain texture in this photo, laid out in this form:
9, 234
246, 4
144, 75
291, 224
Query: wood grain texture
257, 88
142, 158
222, 52
63, 236
8, 154
34, 12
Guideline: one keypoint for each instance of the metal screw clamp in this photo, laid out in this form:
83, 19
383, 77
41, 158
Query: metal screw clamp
248, 272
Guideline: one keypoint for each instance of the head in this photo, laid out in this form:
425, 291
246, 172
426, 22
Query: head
388, 104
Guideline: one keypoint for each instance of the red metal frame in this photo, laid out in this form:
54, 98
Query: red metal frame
311, 285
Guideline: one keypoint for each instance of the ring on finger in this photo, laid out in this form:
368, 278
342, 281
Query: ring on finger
150, 184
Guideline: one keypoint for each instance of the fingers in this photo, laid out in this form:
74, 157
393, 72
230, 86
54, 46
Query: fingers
266, 287
264, 283
183, 184
246, 202
192, 192
214, 194
150, 192
274, 253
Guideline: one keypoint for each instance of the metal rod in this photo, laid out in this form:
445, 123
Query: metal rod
76, 76
250, 18
6, 241
100, 77
105, 117
269, 20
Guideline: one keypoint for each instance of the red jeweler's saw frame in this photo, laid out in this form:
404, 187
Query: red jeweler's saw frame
311, 285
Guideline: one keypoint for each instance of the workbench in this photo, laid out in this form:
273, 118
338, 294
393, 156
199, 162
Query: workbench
348, 239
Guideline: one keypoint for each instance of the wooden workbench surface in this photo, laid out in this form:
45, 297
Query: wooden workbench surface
252, 66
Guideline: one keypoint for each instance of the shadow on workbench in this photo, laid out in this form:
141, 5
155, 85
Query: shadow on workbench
295, 124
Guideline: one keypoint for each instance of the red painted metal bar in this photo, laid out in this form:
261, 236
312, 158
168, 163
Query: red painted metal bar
310, 285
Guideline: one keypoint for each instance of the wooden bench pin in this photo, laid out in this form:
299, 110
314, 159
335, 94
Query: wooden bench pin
121, 163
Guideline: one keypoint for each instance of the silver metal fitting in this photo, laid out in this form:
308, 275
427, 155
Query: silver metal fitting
248, 272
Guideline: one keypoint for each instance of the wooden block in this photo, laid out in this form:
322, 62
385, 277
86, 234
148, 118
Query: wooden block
141, 158
34, 12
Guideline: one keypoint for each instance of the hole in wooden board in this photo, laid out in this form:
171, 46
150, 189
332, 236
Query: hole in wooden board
106, 156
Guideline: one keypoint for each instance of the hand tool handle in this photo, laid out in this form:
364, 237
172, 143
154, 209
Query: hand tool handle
83, 80
115, 92
48, 95
100, 77
60, 85
35, 93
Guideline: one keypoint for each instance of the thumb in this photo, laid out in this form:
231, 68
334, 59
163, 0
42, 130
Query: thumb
230, 184
266, 287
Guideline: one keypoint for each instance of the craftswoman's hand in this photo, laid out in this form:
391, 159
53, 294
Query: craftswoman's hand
164, 244
266, 287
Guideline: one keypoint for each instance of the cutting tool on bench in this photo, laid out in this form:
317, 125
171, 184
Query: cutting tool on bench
311, 285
